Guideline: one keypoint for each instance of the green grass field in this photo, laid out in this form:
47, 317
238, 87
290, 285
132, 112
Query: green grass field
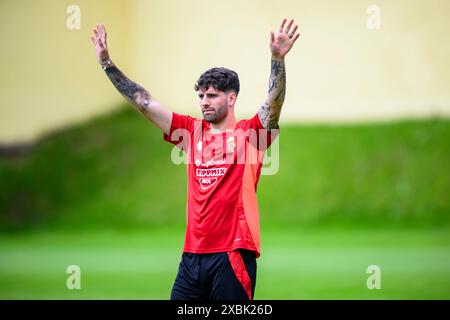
323, 263
345, 197
116, 172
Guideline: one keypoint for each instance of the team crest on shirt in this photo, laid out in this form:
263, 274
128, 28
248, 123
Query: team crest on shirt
231, 144
199, 146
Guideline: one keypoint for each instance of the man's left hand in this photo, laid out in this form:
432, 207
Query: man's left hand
282, 42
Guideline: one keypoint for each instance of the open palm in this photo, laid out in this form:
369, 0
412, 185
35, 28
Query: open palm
99, 41
282, 42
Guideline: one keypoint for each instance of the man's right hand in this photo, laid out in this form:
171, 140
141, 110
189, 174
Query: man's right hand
99, 41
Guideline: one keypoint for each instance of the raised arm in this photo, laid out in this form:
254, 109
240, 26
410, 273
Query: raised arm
280, 44
139, 97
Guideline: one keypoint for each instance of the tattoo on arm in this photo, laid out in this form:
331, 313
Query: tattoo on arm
269, 113
277, 82
264, 115
133, 92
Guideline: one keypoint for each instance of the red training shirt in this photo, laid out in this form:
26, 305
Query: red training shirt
223, 172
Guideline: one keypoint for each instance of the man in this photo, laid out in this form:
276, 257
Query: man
224, 162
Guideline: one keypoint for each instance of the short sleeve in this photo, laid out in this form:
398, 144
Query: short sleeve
181, 128
259, 134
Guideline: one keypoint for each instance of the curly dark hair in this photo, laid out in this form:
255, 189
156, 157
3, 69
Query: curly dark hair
222, 79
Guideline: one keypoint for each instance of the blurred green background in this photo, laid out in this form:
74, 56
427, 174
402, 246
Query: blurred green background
106, 196
364, 174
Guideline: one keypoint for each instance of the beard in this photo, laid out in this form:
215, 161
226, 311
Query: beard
216, 116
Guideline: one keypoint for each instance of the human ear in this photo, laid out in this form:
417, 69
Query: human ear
231, 98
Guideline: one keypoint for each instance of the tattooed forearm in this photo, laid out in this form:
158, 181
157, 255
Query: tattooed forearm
269, 113
133, 92
268, 116
277, 83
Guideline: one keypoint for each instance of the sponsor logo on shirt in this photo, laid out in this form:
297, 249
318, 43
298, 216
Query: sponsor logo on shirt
206, 183
214, 172
209, 163
209, 177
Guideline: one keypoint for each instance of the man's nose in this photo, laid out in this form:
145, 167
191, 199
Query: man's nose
205, 101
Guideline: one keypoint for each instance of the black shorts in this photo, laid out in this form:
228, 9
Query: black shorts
216, 276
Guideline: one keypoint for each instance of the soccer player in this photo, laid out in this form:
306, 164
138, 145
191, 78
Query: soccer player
224, 164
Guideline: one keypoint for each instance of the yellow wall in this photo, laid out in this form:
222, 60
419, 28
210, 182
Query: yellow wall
49, 74
338, 70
